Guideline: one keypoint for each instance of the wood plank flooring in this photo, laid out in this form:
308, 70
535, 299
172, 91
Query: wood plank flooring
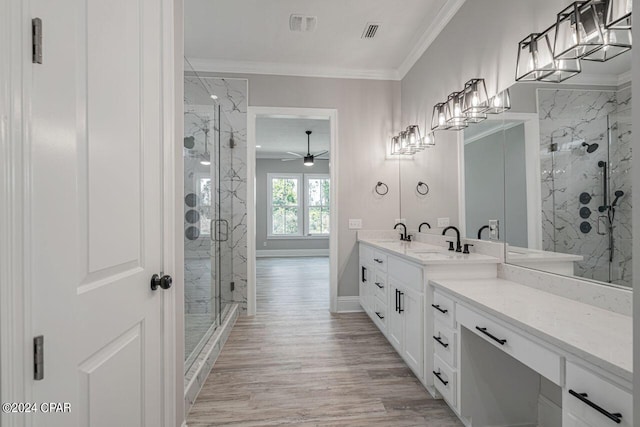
296, 364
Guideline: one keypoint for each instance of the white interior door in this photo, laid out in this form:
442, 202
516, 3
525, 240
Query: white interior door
96, 208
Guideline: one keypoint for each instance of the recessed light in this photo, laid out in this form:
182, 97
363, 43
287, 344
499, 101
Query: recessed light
214, 96
258, 146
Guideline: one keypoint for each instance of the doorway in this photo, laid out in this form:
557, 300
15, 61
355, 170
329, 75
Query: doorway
292, 218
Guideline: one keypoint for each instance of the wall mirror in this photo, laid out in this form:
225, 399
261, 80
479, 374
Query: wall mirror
567, 175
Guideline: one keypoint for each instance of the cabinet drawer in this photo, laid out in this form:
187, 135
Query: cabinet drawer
443, 309
380, 288
444, 343
532, 354
379, 260
444, 379
600, 393
379, 315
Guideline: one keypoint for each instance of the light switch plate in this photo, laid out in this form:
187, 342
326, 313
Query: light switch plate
494, 229
355, 224
443, 222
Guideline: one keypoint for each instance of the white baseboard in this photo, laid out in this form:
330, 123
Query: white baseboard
349, 304
277, 253
549, 414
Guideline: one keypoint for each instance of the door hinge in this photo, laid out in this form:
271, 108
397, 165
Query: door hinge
233, 286
38, 357
36, 34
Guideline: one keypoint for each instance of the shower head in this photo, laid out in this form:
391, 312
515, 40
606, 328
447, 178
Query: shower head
618, 194
590, 147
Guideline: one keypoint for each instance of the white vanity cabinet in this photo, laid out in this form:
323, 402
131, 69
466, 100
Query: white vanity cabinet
490, 353
391, 292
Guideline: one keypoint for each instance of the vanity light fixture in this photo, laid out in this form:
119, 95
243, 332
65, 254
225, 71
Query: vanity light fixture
413, 137
578, 30
429, 140
616, 41
457, 120
395, 145
619, 14
500, 102
439, 117
475, 96
561, 69
535, 58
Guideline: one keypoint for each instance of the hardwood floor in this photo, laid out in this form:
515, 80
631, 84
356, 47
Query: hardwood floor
296, 364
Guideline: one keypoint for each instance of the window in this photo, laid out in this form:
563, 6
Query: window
203, 189
317, 204
285, 213
298, 205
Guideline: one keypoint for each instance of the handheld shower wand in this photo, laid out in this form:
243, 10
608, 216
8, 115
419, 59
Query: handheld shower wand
618, 194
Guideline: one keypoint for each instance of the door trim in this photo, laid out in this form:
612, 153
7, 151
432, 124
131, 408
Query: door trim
15, 324
312, 113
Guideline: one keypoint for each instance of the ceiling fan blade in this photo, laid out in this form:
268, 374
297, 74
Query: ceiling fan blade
321, 159
288, 160
295, 154
320, 154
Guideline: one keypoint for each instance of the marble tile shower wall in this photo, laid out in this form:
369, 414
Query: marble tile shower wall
232, 98
572, 224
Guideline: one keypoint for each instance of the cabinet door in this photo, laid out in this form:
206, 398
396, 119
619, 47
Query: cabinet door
411, 304
395, 325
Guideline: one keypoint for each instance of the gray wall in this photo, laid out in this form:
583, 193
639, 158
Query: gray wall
368, 115
263, 167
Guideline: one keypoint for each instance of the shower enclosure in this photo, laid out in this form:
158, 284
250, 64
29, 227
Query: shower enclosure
586, 180
208, 213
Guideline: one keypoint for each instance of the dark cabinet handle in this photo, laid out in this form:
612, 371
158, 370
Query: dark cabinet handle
396, 300
379, 285
441, 310
400, 299
437, 338
363, 274
493, 337
437, 374
378, 314
379, 261
616, 418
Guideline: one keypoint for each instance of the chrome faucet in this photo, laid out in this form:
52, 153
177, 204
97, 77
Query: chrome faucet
458, 245
403, 236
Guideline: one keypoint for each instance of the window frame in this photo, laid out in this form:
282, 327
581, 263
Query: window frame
307, 177
300, 193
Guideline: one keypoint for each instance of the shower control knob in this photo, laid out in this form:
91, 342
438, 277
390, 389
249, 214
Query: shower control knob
163, 282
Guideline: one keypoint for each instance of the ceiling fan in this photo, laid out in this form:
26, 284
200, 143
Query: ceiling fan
309, 158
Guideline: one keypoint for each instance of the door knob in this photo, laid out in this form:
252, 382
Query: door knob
163, 282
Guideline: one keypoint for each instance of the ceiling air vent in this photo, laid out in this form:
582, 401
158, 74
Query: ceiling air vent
370, 30
302, 23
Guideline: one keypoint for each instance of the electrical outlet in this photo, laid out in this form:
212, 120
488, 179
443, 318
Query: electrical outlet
401, 220
443, 222
355, 224
494, 229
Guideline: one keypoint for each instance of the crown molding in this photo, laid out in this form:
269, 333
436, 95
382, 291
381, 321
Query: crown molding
299, 70
599, 79
441, 20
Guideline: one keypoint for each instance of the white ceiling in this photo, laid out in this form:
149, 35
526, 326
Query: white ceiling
253, 36
276, 136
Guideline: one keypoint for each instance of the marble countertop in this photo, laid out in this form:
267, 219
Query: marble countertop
599, 336
516, 254
427, 254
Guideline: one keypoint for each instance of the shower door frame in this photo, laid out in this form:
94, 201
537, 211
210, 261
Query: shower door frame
299, 113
